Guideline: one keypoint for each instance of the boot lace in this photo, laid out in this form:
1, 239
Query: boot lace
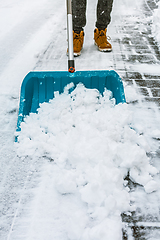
102, 37
78, 39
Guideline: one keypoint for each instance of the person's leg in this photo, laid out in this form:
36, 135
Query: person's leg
79, 14
104, 8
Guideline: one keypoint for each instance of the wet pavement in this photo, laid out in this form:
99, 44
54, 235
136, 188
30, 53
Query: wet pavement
138, 63
138, 48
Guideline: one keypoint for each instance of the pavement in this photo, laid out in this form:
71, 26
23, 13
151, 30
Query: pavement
138, 63
137, 47
140, 56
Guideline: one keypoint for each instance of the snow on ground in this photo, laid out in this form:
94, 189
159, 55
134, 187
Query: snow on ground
156, 24
91, 150
23, 37
71, 186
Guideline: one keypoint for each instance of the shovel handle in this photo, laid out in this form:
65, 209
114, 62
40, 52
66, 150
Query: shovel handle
69, 7
71, 67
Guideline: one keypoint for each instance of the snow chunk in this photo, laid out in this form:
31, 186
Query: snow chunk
151, 186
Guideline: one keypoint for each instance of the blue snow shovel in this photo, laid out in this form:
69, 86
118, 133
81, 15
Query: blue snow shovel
39, 86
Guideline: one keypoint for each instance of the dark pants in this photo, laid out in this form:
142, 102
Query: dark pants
104, 8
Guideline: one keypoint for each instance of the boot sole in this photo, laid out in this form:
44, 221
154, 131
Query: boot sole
103, 49
75, 54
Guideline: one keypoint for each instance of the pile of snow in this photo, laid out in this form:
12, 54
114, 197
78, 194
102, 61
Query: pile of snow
92, 147
156, 24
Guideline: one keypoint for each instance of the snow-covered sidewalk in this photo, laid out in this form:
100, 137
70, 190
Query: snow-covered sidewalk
61, 185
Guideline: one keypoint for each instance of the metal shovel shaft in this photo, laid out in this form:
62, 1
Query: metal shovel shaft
70, 37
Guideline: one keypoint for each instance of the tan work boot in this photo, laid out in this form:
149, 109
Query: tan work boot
78, 39
101, 40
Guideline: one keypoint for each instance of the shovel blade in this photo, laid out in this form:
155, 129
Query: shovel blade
39, 87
